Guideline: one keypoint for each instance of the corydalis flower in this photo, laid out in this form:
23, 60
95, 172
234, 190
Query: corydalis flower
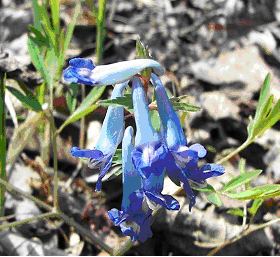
140, 197
133, 219
182, 161
149, 150
110, 137
83, 71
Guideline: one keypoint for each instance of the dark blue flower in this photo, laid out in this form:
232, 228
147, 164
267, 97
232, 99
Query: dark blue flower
109, 139
83, 71
182, 161
149, 150
140, 197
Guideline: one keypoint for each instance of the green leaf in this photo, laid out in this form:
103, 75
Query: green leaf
55, 6
180, 105
206, 188
240, 180
125, 101
255, 206
28, 100
143, 52
259, 192
117, 159
215, 199
264, 94
38, 61
86, 107
267, 113
69, 32
236, 212
155, 119
38, 37
71, 97
185, 107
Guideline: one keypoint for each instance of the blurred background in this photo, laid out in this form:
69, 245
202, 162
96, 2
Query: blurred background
215, 51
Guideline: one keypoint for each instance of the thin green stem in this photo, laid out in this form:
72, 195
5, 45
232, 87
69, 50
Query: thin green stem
18, 192
2, 142
236, 151
55, 163
82, 123
28, 220
101, 30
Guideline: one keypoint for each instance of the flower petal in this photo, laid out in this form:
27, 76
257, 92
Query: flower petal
116, 216
190, 194
201, 151
104, 167
82, 63
166, 201
78, 71
83, 71
149, 158
86, 153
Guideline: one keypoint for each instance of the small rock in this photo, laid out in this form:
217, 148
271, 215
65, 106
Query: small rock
243, 65
218, 105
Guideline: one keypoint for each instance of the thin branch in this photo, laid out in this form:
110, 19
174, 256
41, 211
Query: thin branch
16, 191
28, 220
87, 234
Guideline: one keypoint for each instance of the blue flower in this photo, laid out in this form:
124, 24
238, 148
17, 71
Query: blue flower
83, 71
140, 197
149, 150
182, 161
110, 137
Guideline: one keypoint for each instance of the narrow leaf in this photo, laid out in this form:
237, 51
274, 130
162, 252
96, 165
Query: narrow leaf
214, 199
236, 212
155, 119
29, 100
86, 107
255, 206
240, 180
259, 192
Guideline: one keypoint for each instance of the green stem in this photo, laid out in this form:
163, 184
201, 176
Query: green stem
55, 163
236, 151
28, 220
2, 142
101, 30
82, 123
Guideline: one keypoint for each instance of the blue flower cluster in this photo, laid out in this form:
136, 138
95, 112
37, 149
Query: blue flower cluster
151, 155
